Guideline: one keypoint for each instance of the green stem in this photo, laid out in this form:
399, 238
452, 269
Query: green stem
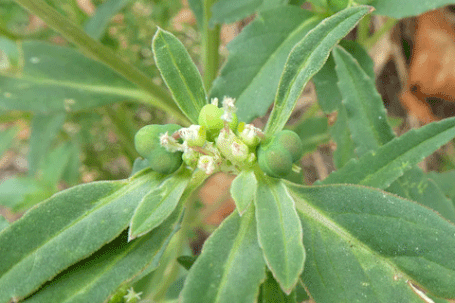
172, 269
211, 43
159, 97
124, 131
363, 29
388, 25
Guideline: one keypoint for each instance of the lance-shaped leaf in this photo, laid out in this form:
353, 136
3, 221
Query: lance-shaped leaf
158, 204
416, 186
97, 24
279, 232
230, 267
445, 181
403, 9
369, 128
228, 11
271, 292
243, 190
365, 245
367, 117
44, 130
180, 74
58, 79
257, 56
383, 166
94, 279
306, 59
64, 229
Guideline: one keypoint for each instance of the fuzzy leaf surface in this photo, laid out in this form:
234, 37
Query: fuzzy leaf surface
230, 267
60, 79
64, 229
180, 74
279, 232
360, 240
94, 279
97, 24
158, 204
44, 130
228, 11
403, 9
243, 190
306, 59
257, 56
367, 117
382, 167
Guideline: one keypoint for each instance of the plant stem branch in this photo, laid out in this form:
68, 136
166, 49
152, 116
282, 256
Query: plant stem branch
363, 30
388, 25
159, 97
211, 43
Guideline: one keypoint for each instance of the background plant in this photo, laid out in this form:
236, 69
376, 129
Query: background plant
386, 237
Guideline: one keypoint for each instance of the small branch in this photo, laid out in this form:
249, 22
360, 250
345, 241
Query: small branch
211, 43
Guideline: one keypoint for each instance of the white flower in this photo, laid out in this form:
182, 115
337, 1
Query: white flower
206, 164
132, 296
250, 134
229, 109
169, 143
214, 101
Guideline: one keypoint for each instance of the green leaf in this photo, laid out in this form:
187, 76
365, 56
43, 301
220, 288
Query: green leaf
10, 57
7, 139
445, 181
256, 59
94, 279
3, 223
403, 9
367, 117
156, 95
342, 136
306, 59
158, 204
361, 240
416, 186
97, 24
59, 79
197, 6
381, 167
272, 293
243, 190
229, 11
139, 164
313, 132
45, 128
64, 229
20, 193
325, 81
180, 74
230, 267
279, 232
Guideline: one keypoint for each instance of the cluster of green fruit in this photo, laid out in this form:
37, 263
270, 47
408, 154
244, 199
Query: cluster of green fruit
217, 143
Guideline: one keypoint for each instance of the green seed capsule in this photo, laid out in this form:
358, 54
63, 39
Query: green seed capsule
290, 141
274, 160
210, 118
147, 143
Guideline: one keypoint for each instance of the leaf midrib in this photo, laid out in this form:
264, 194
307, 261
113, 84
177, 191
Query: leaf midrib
273, 55
235, 248
182, 78
140, 181
127, 92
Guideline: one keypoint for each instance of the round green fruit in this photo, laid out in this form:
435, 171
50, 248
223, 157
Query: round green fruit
290, 141
274, 160
210, 118
147, 143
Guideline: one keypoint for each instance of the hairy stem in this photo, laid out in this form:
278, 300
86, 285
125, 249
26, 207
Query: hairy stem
211, 43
